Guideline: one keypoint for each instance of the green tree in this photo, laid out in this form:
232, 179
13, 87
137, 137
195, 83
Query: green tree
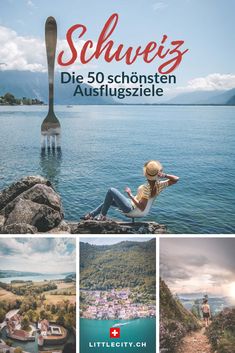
60, 320
43, 315
34, 305
36, 317
53, 309
8, 342
71, 308
25, 323
30, 314
68, 322
9, 98
2, 314
18, 303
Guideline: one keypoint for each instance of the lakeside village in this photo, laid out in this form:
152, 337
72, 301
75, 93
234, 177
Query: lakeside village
10, 99
113, 304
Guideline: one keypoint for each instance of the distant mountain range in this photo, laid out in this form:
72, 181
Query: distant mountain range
217, 304
231, 100
69, 274
12, 273
35, 85
205, 97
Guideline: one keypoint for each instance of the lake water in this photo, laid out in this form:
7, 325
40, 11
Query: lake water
141, 330
217, 304
40, 278
104, 146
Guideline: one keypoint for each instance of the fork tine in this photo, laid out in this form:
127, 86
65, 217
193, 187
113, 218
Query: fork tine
43, 142
48, 141
53, 139
58, 142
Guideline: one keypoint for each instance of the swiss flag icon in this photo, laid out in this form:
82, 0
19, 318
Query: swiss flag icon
114, 332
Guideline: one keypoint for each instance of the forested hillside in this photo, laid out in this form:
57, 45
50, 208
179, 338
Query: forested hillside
126, 264
222, 331
175, 320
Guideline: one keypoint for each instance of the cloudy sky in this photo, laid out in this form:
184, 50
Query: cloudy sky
205, 26
199, 265
44, 255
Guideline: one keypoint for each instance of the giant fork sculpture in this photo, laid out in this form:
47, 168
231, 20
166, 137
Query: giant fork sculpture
50, 129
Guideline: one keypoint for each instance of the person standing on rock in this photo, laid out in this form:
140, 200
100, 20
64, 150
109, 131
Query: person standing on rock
139, 205
206, 312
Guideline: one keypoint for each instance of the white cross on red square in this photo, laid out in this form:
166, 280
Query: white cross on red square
114, 332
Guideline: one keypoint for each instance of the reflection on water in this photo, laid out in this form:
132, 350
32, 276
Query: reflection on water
50, 163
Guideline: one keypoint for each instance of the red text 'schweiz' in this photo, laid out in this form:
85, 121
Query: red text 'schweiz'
169, 53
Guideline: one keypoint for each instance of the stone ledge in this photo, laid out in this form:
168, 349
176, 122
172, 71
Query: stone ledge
31, 205
115, 227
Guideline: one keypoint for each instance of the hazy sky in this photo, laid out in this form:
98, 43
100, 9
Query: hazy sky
207, 28
110, 241
44, 255
199, 265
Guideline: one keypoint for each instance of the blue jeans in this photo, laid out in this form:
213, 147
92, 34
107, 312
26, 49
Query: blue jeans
113, 198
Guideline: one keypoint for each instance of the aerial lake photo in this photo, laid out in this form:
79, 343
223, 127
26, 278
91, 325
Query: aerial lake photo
121, 295
37, 309
107, 146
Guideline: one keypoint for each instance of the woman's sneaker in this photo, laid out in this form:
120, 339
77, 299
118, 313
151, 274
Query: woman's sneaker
87, 217
101, 217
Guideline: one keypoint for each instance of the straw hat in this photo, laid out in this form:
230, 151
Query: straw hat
151, 169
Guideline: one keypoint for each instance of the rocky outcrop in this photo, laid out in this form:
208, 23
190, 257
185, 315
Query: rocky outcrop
116, 227
19, 228
14, 190
31, 205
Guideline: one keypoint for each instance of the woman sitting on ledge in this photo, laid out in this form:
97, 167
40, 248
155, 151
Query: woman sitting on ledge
153, 171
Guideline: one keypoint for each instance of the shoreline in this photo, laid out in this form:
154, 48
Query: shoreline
123, 104
139, 318
32, 206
